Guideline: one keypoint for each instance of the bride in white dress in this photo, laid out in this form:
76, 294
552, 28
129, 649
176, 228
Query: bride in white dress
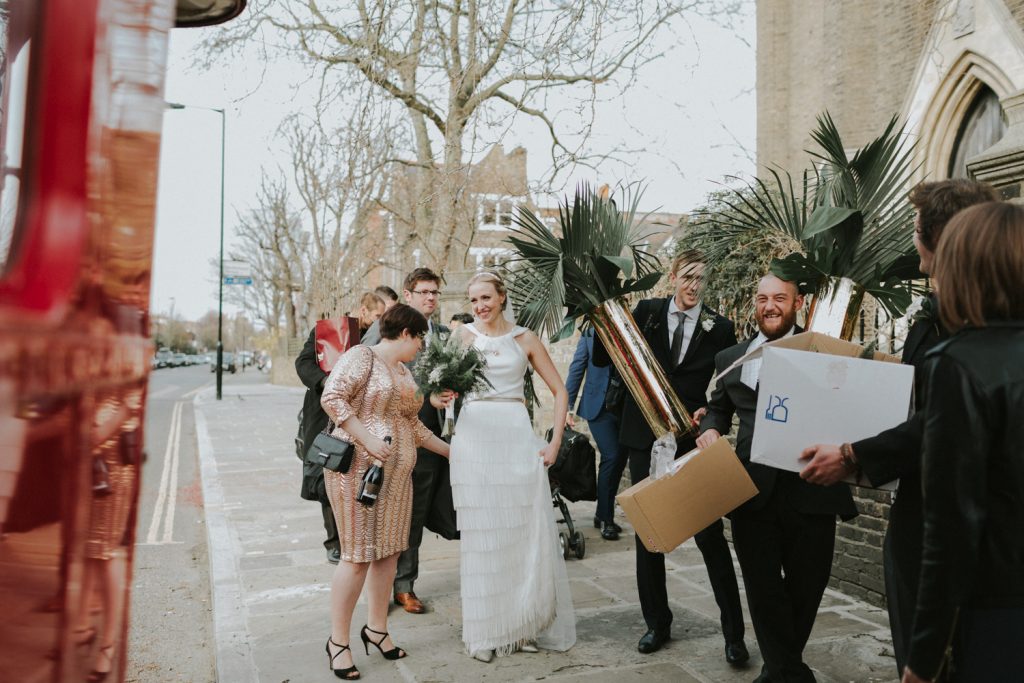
515, 591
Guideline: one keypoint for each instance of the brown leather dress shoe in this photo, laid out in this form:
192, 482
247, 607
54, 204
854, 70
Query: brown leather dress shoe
410, 603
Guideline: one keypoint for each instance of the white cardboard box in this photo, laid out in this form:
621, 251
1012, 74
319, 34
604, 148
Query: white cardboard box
816, 389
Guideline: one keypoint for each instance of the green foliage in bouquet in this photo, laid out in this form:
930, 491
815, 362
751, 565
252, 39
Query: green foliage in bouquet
600, 255
448, 364
849, 217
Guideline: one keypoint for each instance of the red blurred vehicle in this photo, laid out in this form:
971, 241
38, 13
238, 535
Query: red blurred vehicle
82, 85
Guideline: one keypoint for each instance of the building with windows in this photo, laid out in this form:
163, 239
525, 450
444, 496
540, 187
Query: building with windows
495, 190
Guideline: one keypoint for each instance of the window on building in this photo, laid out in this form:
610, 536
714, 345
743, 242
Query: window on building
983, 126
496, 213
490, 258
16, 26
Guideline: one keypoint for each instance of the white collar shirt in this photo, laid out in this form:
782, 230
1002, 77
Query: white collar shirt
689, 325
750, 373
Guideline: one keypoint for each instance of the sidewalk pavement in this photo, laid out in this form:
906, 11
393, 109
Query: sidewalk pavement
270, 583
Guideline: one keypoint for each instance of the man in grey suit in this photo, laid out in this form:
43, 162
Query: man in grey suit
785, 535
421, 291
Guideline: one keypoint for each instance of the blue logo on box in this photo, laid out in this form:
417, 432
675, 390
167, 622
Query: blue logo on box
777, 410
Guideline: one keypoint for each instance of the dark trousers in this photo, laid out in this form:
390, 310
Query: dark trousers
325, 508
605, 429
786, 559
425, 481
901, 579
650, 570
986, 643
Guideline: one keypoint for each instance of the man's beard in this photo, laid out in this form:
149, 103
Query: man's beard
785, 323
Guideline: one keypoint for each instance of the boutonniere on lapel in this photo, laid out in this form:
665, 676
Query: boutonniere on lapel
923, 308
706, 320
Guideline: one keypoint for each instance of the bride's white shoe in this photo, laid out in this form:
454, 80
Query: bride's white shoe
484, 656
530, 647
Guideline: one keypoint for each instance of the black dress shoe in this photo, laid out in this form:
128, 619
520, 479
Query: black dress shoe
736, 653
609, 532
333, 555
652, 641
597, 523
613, 525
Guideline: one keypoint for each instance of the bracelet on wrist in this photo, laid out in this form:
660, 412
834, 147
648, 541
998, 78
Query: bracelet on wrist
848, 457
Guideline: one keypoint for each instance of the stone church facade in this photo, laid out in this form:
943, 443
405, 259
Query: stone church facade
952, 70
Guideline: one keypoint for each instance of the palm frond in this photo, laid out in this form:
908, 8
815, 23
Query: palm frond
849, 219
599, 255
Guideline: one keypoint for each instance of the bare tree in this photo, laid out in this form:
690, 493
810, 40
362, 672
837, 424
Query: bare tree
272, 241
311, 248
453, 65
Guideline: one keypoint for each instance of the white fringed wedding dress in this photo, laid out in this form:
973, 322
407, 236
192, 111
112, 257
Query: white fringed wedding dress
515, 589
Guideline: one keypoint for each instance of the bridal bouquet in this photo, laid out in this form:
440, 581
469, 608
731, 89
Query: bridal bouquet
447, 364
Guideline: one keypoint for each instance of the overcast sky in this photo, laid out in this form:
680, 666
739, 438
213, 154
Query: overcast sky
693, 111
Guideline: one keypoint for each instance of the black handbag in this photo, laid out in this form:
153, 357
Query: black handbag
330, 452
575, 468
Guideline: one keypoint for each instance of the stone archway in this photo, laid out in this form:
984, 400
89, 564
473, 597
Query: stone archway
971, 46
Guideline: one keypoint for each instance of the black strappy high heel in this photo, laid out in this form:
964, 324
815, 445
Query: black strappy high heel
392, 654
345, 674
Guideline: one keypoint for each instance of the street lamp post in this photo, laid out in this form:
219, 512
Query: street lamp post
220, 280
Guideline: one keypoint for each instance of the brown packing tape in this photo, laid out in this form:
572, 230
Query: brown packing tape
668, 511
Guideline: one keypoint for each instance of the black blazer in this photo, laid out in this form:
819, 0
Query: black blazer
973, 483
689, 380
731, 396
896, 454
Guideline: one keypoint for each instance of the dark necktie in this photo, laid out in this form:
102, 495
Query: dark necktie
677, 339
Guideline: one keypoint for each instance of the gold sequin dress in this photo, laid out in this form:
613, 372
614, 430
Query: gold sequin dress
387, 402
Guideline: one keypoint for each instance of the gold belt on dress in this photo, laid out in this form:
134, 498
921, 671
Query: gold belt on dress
499, 399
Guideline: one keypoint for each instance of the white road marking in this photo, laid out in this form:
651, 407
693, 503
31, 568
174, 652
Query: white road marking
197, 390
170, 389
166, 499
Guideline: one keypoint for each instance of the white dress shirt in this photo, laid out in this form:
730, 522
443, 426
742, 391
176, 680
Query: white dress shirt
750, 373
689, 325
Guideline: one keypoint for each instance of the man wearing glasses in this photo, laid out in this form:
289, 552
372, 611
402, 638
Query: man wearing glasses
422, 291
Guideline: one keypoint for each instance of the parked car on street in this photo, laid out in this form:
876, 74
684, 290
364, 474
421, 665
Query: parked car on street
164, 358
180, 359
228, 364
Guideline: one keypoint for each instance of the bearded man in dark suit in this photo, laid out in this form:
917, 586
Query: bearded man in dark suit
896, 453
785, 535
684, 336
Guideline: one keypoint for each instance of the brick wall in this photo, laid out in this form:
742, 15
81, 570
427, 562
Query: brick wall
855, 59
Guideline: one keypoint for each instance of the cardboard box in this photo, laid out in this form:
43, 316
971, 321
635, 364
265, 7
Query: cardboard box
817, 389
703, 486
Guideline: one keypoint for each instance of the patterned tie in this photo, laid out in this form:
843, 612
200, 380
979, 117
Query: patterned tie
677, 339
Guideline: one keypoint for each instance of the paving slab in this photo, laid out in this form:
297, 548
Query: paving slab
270, 582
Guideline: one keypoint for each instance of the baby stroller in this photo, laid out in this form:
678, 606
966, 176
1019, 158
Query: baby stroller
572, 477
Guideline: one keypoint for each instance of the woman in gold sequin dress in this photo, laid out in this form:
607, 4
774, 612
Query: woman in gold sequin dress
371, 395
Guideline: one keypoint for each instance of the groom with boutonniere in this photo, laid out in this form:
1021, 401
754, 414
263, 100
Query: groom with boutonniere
684, 336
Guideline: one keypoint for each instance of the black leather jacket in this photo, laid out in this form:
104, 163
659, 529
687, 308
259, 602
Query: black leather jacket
972, 483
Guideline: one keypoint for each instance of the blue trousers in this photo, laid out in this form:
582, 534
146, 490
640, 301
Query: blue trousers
605, 429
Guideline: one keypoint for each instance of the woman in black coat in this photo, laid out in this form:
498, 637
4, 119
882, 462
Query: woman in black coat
969, 621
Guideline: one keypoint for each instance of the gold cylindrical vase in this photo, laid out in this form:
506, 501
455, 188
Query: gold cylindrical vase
639, 369
834, 308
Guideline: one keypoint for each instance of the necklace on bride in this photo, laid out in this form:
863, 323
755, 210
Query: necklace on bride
490, 348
